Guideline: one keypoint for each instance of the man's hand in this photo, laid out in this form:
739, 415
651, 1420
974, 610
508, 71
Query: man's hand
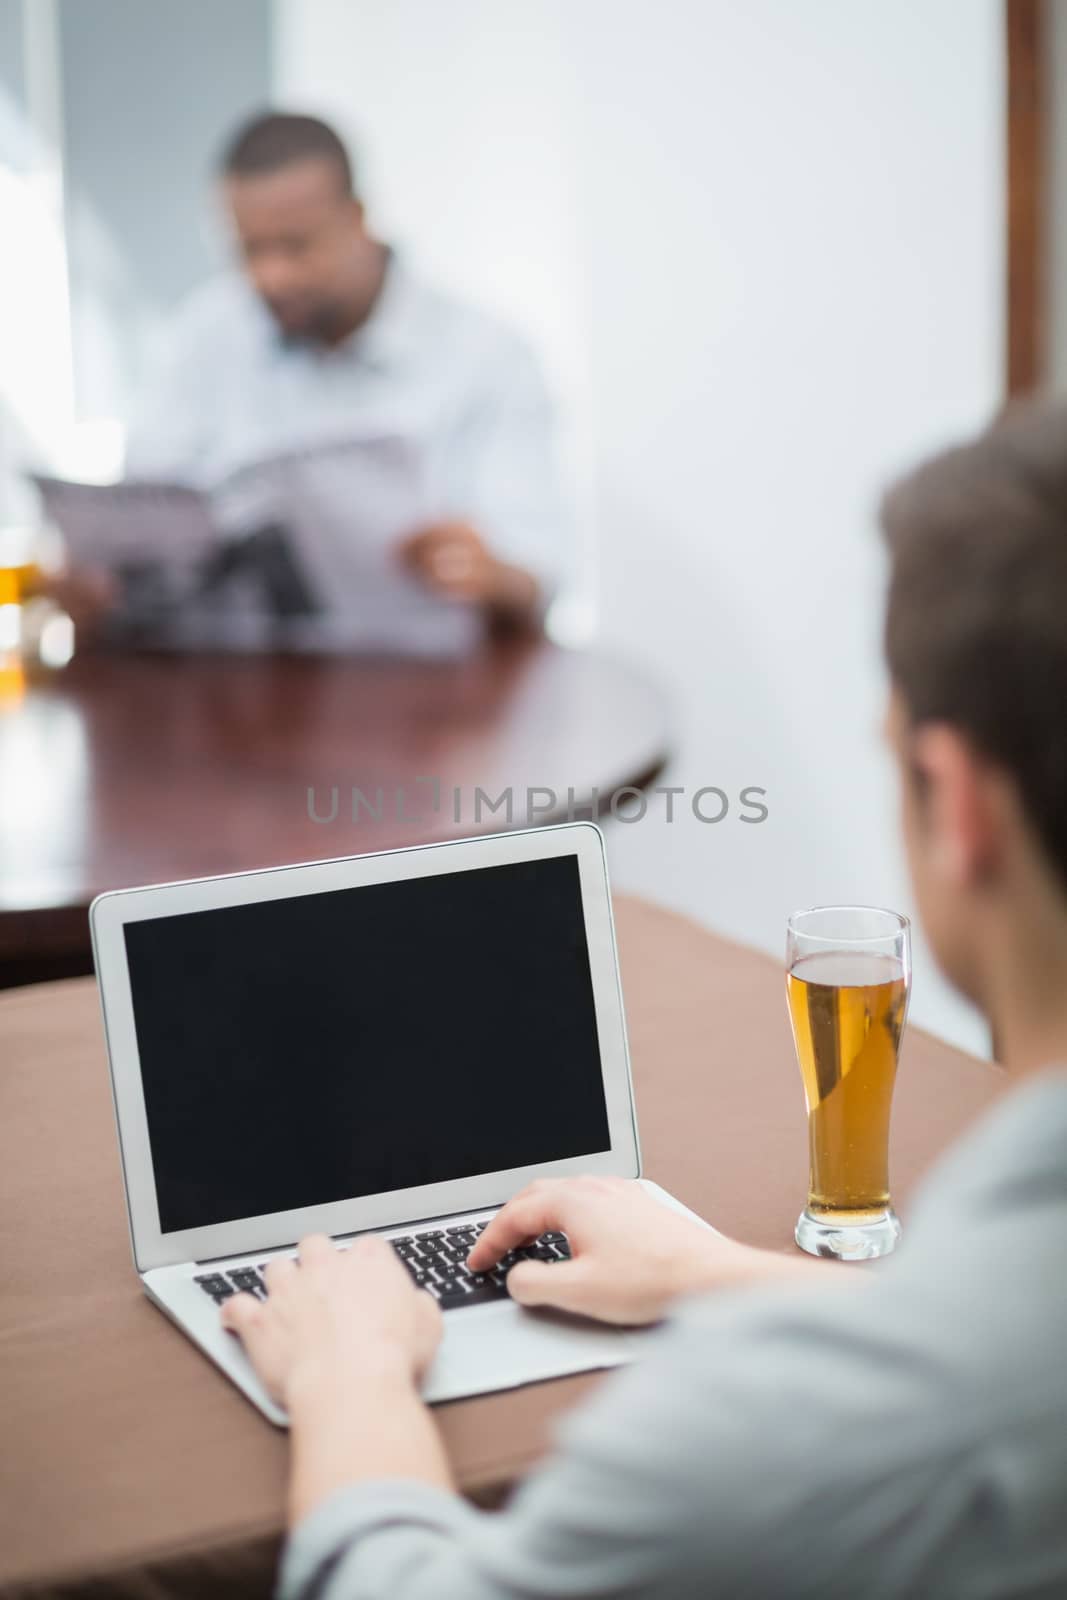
630, 1255
338, 1316
86, 594
453, 560
341, 1342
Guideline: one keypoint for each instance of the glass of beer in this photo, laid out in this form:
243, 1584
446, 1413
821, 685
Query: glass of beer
848, 980
19, 578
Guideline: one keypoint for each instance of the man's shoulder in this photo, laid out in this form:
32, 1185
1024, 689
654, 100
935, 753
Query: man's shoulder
221, 312
457, 320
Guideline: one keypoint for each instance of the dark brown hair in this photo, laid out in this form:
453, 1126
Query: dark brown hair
976, 626
274, 139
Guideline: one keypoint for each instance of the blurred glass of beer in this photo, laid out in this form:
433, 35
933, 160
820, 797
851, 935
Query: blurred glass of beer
848, 980
19, 578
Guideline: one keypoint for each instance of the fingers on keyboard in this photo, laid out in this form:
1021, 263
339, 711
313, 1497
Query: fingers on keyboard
436, 1260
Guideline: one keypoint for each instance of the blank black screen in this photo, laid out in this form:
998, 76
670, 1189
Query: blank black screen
333, 1045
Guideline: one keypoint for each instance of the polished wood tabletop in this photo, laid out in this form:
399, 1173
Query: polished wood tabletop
131, 1468
127, 769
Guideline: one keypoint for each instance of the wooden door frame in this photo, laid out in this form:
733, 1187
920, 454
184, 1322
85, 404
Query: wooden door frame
1026, 322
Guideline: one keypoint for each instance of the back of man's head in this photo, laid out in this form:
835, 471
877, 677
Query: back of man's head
976, 630
272, 140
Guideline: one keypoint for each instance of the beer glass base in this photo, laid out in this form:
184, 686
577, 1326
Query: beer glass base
841, 1241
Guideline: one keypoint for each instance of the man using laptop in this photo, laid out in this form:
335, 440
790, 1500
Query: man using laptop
800, 1430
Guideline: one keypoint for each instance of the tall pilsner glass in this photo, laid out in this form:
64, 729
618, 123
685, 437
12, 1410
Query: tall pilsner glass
848, 980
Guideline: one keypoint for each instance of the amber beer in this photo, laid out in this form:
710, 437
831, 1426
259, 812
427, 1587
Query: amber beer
848, 971
19, 581
847, 1010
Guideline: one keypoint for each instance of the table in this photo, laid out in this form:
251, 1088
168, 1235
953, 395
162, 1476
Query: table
129, 1467
127, 769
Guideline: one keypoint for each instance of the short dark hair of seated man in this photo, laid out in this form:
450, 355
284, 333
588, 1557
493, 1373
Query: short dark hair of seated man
274, 139
976, 624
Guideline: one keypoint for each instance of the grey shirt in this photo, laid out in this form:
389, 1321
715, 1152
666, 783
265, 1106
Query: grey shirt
902, 1436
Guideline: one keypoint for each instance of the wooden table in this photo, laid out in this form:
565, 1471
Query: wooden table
146, 768
129, 1467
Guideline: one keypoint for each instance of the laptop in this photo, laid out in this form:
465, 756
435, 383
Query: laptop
391, 1043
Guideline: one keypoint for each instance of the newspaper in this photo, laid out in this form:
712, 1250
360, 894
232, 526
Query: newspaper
296, 552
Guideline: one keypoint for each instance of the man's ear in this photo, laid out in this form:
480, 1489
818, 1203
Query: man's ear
962, 804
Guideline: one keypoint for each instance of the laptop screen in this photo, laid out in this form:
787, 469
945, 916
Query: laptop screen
328, 1046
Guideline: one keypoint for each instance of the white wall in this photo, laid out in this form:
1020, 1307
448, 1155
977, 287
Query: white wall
760, 245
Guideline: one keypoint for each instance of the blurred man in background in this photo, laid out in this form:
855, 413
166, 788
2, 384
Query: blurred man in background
326, 335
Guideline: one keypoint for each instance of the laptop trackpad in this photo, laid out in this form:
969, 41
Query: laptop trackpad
501, 1346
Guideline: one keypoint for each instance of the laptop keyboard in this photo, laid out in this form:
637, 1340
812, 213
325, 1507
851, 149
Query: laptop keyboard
436, 1260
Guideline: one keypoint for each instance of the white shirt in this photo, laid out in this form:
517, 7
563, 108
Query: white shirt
453, 382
